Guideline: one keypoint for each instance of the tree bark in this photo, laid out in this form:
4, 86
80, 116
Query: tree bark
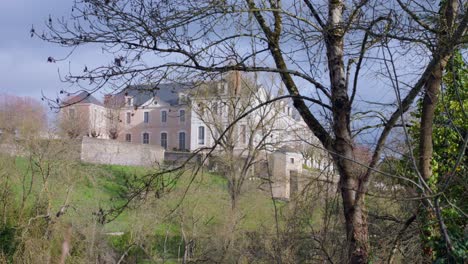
354, 207
431, 97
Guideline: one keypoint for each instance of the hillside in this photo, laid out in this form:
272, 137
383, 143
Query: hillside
42, 198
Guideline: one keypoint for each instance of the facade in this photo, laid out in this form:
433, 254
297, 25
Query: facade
162, 118
233, 113
191, 116
83, 115
187, 116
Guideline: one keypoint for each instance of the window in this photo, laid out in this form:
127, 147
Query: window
164, 140
164, 116
129, 117
71, 113
146, 117
243, 135
182, 116
181, 140
292, 160
145, 138
128, 137
129, 101
201, 109
201, 135
222, 88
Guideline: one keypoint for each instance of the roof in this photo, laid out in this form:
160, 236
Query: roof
83, 97
166, 92
288, 149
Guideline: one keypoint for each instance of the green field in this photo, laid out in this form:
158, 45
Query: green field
195, 207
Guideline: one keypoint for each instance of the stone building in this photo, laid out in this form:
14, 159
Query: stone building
232, 114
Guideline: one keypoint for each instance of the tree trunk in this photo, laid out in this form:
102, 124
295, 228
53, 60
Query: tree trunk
353, 204
426, 215
431, 97
355, 215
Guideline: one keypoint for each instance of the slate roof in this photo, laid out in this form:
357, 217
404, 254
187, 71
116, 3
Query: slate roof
83, 98
166, 92
288, 149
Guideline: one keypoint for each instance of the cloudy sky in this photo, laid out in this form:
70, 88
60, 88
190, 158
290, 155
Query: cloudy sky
24, 69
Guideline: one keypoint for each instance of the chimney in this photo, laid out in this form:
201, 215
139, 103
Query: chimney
107, 99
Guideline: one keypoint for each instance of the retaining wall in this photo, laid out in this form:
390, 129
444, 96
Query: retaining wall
105, 151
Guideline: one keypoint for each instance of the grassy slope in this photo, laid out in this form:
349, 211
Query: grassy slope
98, 186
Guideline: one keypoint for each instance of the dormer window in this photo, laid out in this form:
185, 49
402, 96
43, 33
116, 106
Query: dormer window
222, 88
183, 97
128, 101
201, 109
71, 113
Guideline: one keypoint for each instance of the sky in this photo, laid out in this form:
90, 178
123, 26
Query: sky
24, 70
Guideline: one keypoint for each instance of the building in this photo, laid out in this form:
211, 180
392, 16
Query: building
231, 115
83, 115
190, 116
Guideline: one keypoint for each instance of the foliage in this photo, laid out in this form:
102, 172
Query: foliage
300, 41
450, 159
151, 231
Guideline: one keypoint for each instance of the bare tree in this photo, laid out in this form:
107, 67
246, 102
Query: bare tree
73, 123
112, 117
445, 29
21, 117
298, 40
241, 143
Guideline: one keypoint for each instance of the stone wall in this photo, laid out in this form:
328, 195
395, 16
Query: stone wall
177, 157
12, 149
104, 151
285, 168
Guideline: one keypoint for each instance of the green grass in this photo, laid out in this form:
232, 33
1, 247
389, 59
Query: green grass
200, 206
